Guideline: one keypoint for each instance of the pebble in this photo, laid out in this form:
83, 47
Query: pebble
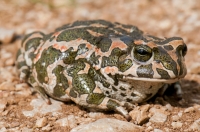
41, 122
159, 115
149, 128
3, 129
95, 115
157, 130
25, 129
169, 107
175, 118
140, 114
7, 86
6, 35
195, 125
180, 114
108, 125
3, 105
40, 106
14, 124
176, 125
47, 128
69, 121
159, 118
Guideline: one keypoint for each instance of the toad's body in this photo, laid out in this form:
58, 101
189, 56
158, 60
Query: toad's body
100, 65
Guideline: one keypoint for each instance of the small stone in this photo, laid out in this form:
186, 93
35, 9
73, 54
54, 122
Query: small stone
176, 125
47, 128
175, 118
7, 86
149, 128
108, 125
95, 115
166, 130
190, 109
140, 114
3, 129
169, 107
41, 122
69, 121
157, 130
148, 124
40, 106
195, 126
9, 62
180, 114
14, 124
3, 105
159, 118
6, 35
25, 129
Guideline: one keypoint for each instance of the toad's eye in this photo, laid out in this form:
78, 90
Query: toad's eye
142, 53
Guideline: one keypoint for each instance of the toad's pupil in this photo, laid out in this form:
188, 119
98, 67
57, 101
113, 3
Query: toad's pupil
142, 51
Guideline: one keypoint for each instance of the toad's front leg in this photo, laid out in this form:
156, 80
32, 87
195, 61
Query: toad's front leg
86, 93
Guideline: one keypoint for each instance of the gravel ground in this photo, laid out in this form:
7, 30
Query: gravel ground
22, 110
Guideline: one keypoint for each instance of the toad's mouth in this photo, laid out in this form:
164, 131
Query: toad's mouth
151, 79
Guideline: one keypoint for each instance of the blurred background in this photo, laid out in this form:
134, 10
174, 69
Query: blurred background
161, 18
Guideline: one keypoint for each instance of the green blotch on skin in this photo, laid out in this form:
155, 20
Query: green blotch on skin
19, 52
125, 65
61, 82
133, 95
28, 35
115, 89
26, 72
73, 34
73, 94
168, 47
72, 71
122, 94
123, 89
21, 64
145, 71
83, 84
82, 49
129, 100
95, 98
87, 23
70, 56
97, 76
32, 43
105, 44
94, 59
31, 80
164, 74
160, 55
111, 104
113, 59
49, 56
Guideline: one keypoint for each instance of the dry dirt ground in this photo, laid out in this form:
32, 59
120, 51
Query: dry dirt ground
22, 110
